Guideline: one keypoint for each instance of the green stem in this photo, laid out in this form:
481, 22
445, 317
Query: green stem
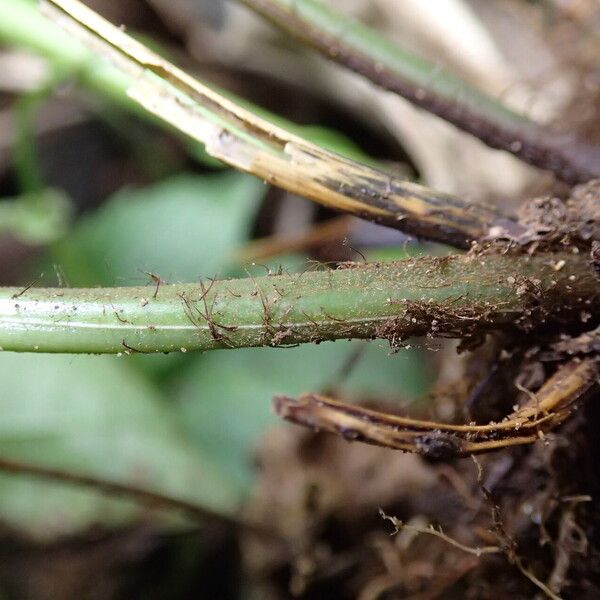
365, 51
254, 145
458, 296
23, 26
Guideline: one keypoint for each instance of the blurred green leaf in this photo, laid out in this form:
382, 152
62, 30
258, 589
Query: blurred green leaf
96, 416
183, 228
226, 396
36, 218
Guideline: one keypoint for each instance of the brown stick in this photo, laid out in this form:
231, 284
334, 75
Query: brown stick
115, 489
318, 234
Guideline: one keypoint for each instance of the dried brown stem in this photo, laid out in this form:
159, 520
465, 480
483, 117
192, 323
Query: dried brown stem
431, 530
554, 402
